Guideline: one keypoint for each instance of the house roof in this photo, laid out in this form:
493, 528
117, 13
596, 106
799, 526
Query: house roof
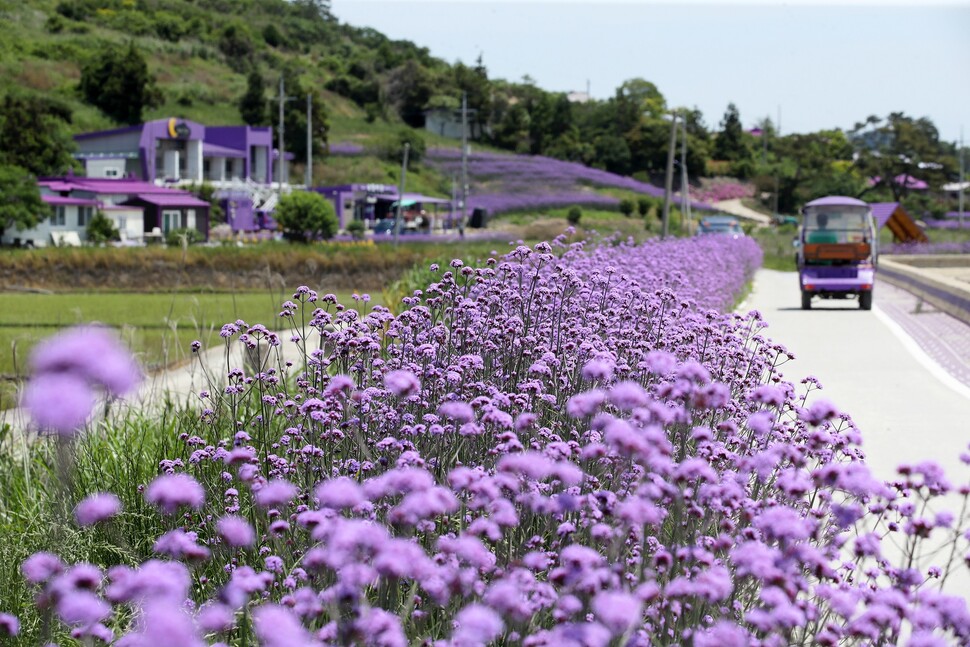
215, 150
103, 185
56, 185
66, 200
171, 200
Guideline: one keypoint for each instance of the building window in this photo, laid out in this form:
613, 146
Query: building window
84, 216
58, 216
171, 220
111, 172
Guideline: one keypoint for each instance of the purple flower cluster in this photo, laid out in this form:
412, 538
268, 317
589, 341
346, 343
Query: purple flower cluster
720, 189
562, 446
66, 372
933, 223
927, 248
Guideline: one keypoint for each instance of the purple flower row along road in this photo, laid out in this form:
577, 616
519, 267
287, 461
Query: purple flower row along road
926, 248
566, 446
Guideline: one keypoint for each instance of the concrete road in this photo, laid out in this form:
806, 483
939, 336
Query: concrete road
906, 405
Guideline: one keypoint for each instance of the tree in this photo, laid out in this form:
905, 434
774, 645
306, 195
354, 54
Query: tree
409, 87
900, 145
304, 216
236, 43
513, 131
34, 134
119, 83
252, 104
20, 203
644, 96
729, 144
100, 229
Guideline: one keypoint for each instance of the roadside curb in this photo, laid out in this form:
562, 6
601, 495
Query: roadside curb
943, 293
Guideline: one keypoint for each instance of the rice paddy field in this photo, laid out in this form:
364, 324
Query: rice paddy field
157, 327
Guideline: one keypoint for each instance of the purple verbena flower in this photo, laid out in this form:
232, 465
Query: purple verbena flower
170, 491
96, 508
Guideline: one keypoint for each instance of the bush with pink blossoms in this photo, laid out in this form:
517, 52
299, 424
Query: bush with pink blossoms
564, 446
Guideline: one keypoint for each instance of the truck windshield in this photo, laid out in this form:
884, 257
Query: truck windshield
847, 226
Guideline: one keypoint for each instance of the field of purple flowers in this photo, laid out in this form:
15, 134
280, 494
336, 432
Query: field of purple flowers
502, 183
565, 446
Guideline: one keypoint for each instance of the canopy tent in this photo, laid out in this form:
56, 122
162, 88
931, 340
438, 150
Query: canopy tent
411, 199
894, 216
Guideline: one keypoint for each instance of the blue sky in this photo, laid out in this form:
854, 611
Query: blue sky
821, 64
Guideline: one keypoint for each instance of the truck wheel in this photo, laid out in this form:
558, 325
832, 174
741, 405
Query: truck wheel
806, 300
865, 300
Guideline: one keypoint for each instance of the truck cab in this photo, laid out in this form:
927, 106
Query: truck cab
837, 251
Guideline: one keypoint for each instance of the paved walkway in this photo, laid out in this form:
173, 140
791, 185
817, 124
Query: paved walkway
944, 338
736, 208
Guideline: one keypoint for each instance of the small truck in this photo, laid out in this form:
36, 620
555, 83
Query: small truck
837, 251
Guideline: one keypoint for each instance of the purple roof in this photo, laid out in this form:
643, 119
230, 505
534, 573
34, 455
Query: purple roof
56, 185
837, 201
103, 185
102, 133
60, 199
882, 211
215, 150
172, 200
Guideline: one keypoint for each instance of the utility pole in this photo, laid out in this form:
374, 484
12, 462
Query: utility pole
454, 197
684, 180
669, 182
962, 169
309, 140
281, 147
464, 164
400, 193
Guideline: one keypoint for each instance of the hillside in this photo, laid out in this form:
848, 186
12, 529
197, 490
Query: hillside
203, 56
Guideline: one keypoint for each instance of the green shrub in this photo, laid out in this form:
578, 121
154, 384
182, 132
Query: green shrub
626, 207
101, 230
391, 147
356, 229
643, 206
574, 215
175, 237
306, 216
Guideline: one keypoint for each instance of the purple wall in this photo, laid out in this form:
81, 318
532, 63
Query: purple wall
238, 208
244, 138
158, 129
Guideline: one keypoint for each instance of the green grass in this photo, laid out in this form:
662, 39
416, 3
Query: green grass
157, 327
35, 507
776, 243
